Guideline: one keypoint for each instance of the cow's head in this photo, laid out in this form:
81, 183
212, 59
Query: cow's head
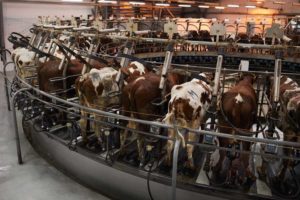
249, 77
207, 77
25, 59
133, 70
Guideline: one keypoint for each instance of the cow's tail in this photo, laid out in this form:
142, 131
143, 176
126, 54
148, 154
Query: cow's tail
170, 119
236, 111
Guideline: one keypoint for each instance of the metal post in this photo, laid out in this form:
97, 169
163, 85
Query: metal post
2, 40
216, 87
32, 39
45, 38
6, 84
217, 74
167, 64
174, 167
39, 43
19, 152
85, 69
63, 58
276, 85
52, 46
124, 62
277, 76
65, 67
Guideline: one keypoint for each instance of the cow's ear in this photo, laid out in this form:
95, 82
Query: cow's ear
116, 63
124, 70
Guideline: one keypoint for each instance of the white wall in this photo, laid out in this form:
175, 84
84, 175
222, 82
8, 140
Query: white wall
19, 17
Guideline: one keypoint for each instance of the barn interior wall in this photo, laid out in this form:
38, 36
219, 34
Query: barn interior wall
19, 17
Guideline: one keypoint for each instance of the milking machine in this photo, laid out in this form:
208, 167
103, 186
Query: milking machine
271, 167
212, 115
153, 145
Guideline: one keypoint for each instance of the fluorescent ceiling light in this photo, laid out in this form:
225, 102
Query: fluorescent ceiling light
203, 6
184, 5
162, 4
233, 6
108, 1
250, 6
136, 3
279, 2
220, 7
73, 0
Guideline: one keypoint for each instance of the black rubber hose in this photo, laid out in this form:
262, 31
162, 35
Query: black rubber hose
148, 181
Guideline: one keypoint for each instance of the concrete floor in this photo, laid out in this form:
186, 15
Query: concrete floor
35, 179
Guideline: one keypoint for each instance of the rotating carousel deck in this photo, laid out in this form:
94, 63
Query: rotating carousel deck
122, 178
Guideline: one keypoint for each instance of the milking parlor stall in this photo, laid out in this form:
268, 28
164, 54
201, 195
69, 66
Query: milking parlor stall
170, 99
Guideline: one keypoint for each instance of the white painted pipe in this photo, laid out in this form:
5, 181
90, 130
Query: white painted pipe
277, 76
217, 74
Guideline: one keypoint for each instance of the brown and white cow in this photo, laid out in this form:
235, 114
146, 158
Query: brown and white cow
289, 123
50, 69
238, 107
187, 108
93, 89
137, 98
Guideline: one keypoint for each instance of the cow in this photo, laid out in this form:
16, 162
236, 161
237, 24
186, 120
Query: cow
48, 70
238, 113
289, 127
137, 101
134, 70
93, 89
23, 57
187, 108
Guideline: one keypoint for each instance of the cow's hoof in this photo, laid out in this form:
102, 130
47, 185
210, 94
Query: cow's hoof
189, 172
165, 169
261, 174
247, 185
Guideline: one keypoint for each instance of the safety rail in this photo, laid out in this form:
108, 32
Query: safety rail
284, 144
63, 104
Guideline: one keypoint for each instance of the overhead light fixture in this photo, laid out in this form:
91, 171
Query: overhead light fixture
136, 3
220, 7
72, 0
184, 5
203, 6
107, 1
211, 4
250, 7
162, 4
279, 2
233, 6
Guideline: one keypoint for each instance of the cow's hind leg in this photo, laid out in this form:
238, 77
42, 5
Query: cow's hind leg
170, 146
141, 152
124, 135
192, 137
83, 125
98, 132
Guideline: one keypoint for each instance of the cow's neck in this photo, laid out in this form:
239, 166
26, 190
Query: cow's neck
246, 81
